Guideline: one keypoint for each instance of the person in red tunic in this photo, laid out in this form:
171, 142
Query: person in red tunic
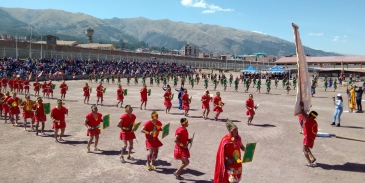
1, 84
99, 93
44, 89
26, 85
310, 129
5, 106
186, 102
63, 88
218, 105
86, 90
13, 104
4, 83
26, 105
16, 84
181, 150
144, 93
120, 95
206, 99
151, 129
49, 89
20, 86
11, 84
58, 118
250, 106
228, 165
126, 134
39, 115
36, 86
167, 100
92, 123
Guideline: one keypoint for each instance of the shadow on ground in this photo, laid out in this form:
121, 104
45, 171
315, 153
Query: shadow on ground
351, 167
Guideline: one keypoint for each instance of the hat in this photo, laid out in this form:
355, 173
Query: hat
60, 101
39, 98
230, 125
339, 95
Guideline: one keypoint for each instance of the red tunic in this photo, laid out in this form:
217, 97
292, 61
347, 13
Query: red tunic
20, 84
49, 88
11, 83
26, 85
120, 94
310, 130
4, 82
4, 104
36, 86
167, 99
59, 114
143, 94
250, 103
39, 115
86, 91
152, 141
230, 148
99, 91
27, 109
180, 152
94, 123
1, 100
216, 101
44, 87
185, 101
14, 102
63, 88
205, 102
125, 132
16, 84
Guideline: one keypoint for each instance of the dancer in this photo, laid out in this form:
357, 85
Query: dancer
13, 104
92, 123
334, 85
167, 100
218, 104
39, 115
236, 82
276, 83
26, 105
338, 110
325, 84
36, 88
44, 89
126, 124
26, 85
287, 87
4, 83
5, 105
50, 89
120, 95
206, 99
268, 85
87, 91
100, 93
152, 129
58, 118
258, 85
250, 105
63, 87
181, 151
294, 83
144, 96
185, 102
228, 165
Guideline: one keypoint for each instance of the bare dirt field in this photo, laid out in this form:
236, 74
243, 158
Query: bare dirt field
26, 157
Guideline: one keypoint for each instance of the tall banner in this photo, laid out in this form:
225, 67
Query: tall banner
304, 82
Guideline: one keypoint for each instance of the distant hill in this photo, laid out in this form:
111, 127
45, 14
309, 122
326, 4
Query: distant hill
159, 33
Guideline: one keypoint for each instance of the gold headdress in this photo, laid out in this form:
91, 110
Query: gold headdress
154, 115
127, 108
230, 125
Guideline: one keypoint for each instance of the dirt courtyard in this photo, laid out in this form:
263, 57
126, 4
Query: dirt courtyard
26, 157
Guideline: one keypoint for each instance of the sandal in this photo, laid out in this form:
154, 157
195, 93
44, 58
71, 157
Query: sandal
96, 149
310, 165
149, 168
122, 160
178, 177
88, 150
314, 160
131, 158
153, 167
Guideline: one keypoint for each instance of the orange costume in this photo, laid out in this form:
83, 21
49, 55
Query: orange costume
14, 103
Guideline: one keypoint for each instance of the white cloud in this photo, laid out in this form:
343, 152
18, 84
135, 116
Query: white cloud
345, 36
335, 38
259, 32
316, 34
209, 8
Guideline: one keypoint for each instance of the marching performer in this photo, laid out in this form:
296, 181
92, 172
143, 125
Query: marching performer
86, 90
276, 83
44, 89
26, 85
39, 115
335, 85
206, 99
181, 150
218, 104
4, 83
99, 93
144, 97
63, 87
13, 104
126, 124
258, 85
26, 105
250, 106
186, 102
36, 87
152, 129
268, 85
287, 87
5, 106
228, 165
294, 83
20, 86
58, 118
92, 123
120, 95
49, 89
167, 100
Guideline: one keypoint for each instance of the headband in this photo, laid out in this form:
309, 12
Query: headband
185, 122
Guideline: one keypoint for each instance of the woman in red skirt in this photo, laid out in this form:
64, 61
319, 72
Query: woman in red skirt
181, 150
218, 104
39, 115
4, 105
13, 103
120, 95
167, 100
186, 102
144, 94
86, 93
26, 105
92, 123
44, 88
151, 129
126, 124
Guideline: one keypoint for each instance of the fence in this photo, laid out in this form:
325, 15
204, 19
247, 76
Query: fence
219, 64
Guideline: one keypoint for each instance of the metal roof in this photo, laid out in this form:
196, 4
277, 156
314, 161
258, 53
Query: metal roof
318, 60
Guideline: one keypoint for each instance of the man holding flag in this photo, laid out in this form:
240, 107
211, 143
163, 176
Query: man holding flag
181, 150
126, 124
58, 118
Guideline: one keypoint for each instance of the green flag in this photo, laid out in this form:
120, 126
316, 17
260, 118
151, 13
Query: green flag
125, 92
104, 90
135, 126
166, 130
47, 108
172, 96
40, 85
20, 101
53, 86
249, 152
32, 103
91, 89
149, 92
106, 121
67, 88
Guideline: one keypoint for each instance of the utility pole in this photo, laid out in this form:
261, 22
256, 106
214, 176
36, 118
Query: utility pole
30, 43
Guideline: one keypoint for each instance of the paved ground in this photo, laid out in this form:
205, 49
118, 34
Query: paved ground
278, 157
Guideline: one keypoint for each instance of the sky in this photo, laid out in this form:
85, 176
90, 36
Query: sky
329, 25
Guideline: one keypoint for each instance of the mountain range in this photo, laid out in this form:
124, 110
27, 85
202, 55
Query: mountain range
159, 33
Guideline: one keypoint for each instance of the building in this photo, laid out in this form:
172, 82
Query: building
190, 51
60, 43
97, 46
174, 52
